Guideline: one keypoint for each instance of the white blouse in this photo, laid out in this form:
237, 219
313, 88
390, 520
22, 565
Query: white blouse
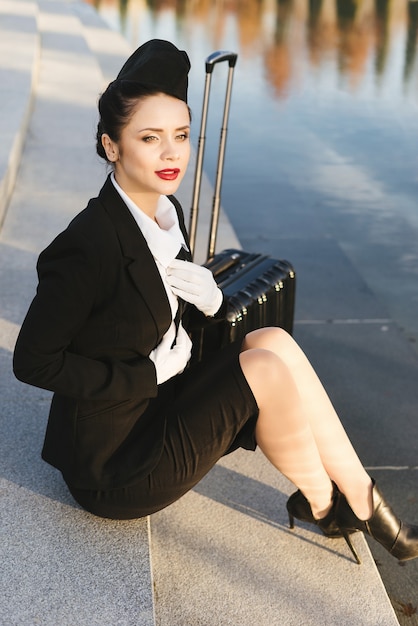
164, 239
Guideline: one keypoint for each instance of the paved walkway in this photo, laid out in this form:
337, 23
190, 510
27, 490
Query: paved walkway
224, 553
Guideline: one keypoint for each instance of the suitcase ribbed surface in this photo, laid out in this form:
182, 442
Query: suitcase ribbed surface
260, 292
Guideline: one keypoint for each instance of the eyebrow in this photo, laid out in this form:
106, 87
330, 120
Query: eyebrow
161, 130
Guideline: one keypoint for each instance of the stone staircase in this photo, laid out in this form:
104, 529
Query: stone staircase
223, 555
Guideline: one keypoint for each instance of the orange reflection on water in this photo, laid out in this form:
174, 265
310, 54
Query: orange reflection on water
293, 37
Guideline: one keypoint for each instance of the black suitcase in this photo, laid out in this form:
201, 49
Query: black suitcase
260, 290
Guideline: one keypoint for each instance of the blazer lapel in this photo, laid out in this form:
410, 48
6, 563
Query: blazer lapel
139, 260
182, 225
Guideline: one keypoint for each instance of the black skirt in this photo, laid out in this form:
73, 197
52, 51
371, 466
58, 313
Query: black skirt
209, 411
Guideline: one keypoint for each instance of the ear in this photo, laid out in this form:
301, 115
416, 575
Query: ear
110, 147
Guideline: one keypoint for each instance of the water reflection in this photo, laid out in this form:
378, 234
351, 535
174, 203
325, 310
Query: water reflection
293, 37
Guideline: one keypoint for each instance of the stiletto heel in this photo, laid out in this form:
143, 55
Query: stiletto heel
298, 507
398, 538
350, 545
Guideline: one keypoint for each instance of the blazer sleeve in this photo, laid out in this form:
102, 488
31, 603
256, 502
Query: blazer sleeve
70, 271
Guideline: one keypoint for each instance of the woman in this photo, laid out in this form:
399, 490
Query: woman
132, 426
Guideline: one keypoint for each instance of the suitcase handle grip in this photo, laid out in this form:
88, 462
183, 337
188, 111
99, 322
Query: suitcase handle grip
211, 61
222, 264
218, 57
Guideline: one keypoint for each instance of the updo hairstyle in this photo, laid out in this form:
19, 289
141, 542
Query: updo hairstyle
116, 107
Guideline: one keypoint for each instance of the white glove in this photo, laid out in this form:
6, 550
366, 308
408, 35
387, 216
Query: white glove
195, 284
170, 361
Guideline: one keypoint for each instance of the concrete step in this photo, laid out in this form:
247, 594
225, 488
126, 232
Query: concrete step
19, 49
221, 555
224, 555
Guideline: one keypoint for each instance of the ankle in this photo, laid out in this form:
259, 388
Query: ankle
360, 499
321, 513
321, 504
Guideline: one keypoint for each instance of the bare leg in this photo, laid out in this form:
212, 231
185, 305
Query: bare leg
298, 429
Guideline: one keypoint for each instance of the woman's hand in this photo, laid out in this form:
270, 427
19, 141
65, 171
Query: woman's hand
195, 284
171, 360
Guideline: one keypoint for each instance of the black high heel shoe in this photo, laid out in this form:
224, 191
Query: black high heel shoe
399, 539
298, 506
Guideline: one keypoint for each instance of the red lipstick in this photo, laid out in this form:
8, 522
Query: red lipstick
168, 174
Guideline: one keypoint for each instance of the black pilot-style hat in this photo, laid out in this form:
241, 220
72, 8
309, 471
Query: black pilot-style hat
159, 64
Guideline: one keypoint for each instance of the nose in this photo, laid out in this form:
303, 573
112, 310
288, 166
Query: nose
170, 151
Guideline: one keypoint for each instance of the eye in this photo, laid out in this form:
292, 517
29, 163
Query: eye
183, 136
149, 138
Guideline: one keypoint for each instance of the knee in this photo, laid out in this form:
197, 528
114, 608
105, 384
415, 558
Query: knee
270, 338
264, 370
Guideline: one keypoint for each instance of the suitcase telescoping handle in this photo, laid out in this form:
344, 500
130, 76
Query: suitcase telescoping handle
211, 61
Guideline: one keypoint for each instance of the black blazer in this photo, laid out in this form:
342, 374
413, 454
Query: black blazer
99, 310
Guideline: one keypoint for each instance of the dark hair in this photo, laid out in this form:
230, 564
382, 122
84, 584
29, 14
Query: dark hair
116, 106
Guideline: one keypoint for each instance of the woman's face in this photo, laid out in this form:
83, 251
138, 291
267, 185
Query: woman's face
152, 154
